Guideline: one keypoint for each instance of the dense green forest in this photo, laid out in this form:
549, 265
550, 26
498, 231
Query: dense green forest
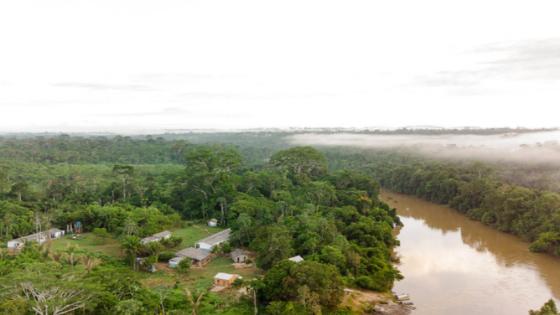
472, 188
279, 202
123, 189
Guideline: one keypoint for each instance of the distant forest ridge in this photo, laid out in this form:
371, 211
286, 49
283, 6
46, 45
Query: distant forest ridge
216, 133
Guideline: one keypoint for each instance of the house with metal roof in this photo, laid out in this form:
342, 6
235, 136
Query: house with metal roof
39, 238
156, 237
213, 240
199, 257
225, 280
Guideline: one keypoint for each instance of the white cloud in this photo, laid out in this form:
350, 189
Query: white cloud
80, 65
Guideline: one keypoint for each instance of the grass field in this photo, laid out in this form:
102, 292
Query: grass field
191, 234
111, 246
89, 242
197, 278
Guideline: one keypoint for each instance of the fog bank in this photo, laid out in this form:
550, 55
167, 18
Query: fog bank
531, 148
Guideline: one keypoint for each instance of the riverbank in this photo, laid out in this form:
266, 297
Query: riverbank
370, 302
454, 265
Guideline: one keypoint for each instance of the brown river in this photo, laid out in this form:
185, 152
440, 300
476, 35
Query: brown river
454, 265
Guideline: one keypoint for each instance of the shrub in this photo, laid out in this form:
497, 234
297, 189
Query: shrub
171, 242
225, 248
101, 234
166, 256
184, 266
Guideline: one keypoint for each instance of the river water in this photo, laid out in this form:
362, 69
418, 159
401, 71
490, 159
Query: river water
456, 266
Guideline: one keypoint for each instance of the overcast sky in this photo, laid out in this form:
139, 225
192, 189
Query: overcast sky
152, 65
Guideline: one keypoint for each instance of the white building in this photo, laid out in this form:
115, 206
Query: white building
39, 238
296, 259
156, 237
213, 223
56, 233
214, 240
174, 262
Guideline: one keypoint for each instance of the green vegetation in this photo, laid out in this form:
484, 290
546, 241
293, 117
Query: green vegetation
470, 187
194, 232
549, 308
89, 242
119, 190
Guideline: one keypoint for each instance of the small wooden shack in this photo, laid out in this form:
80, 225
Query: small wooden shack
225, 280
239, 256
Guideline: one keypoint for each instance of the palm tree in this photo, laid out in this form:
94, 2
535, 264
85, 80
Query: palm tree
70, 253
131, 246
195, 304
90, 262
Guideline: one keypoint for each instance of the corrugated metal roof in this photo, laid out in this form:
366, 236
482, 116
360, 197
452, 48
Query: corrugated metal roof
193, 253
224, 276
217, 238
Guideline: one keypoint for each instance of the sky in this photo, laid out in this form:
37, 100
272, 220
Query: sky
133, 66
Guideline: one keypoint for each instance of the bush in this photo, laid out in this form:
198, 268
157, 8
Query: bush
165, 256
547, 242
225, 248
171, 242
488, 218
184, 266
101, 234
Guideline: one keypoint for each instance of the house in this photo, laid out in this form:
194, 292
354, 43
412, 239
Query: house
239, 256
199, 257
16, 243
225, 280
174, 262
296, 259
214, 240
56, 233
213, 223
40, 238
156, 237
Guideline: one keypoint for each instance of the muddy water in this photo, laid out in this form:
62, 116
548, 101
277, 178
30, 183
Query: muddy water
453, 265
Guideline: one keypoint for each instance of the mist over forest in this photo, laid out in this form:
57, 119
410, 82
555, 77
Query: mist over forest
529, 158
528, 147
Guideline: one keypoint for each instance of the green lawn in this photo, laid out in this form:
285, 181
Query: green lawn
89, 242
193, 233
198, 278
204, 277
111, 246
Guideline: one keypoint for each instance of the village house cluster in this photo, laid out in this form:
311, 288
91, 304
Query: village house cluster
201, 253
38, 238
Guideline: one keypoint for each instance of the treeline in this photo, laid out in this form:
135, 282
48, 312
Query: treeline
32, 191
469, 187
162, 149
67, 149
